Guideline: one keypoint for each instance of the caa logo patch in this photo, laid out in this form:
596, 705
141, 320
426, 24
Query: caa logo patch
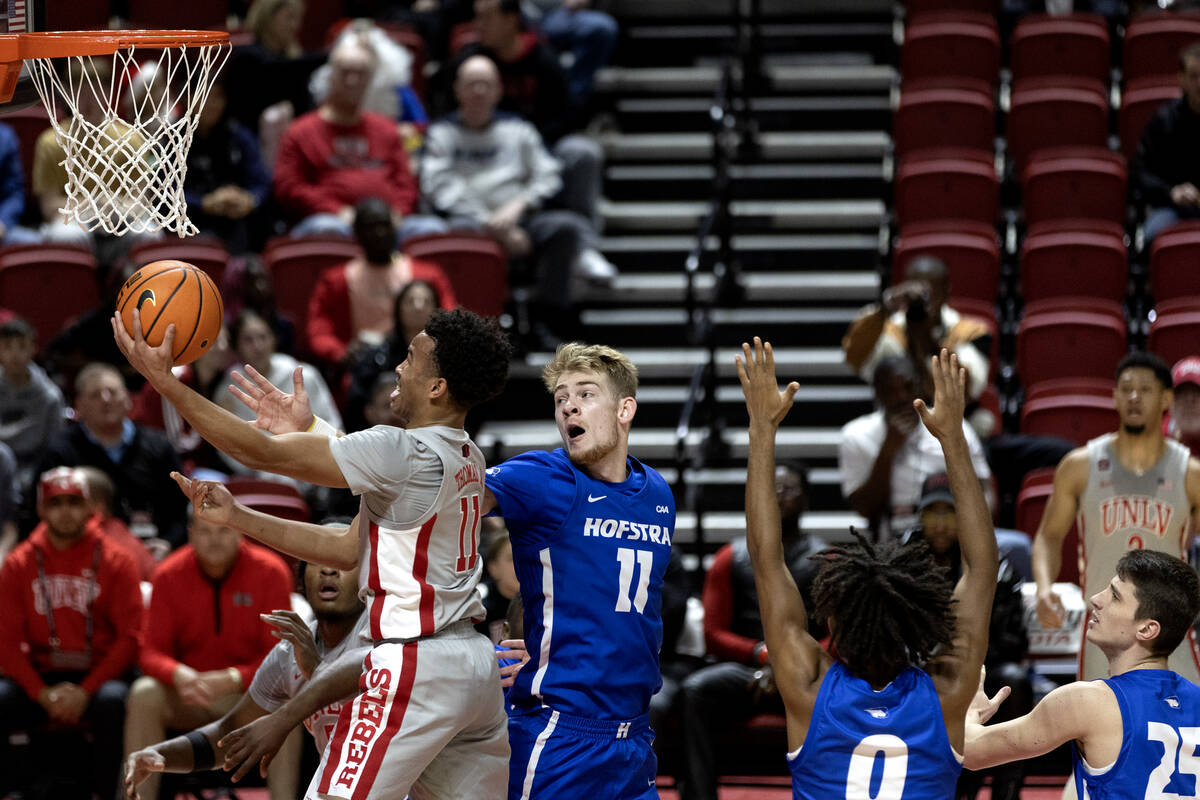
662, 509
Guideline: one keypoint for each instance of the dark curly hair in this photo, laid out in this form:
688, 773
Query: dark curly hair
890, 606
471, 353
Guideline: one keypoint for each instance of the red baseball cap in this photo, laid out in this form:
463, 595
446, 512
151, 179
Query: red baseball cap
1186, 370
62, 480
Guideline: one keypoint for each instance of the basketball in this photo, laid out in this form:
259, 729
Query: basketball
168, 292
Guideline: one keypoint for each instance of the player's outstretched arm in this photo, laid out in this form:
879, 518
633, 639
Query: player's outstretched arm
323, 544
305, 457
1070, 480
976, 588
795, 656
257, 742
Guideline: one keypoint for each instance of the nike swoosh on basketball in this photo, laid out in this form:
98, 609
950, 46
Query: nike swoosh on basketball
594, 499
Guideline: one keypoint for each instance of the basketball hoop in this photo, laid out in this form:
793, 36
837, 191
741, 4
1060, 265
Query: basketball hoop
124, 106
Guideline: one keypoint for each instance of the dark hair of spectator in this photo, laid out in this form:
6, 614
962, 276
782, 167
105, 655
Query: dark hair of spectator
242, 319
471, 353
1140, 359
404, 292
893, 365
17, 328
889, 606
799, 469
1189, 53
1168, 592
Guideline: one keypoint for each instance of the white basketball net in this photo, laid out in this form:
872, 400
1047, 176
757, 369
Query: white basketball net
126, 127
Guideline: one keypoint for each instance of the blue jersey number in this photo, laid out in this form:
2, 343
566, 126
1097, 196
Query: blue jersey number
862, 767
627, 557
1178, 747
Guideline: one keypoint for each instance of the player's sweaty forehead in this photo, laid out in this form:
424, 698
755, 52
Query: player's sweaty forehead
579, 380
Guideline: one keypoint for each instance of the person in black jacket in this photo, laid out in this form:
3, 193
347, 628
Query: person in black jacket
1167, 165
1008, 641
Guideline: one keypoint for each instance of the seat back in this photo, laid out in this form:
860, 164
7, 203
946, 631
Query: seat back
1078, 417
1071, 183
206, 252
48, 285
1173, 259
947, 43
1138, 104
972, 260
1175, 334
932, 116
1062, 111
475, 264
1065, 263
1074, 44
1031, 504
1091, 330
947, 183
296, 263
1153, 42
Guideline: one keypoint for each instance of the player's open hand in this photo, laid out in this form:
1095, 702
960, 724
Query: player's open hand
291, 627
211, 501
153, 362
983, 707
756, 370
514, 649
945, 419
256, 743
277, 411
138, 767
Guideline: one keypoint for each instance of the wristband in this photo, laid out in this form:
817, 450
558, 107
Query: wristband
203, 757
322, 427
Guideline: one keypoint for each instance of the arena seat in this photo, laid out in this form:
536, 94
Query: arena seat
1153, 41
986, 311
1071, 44
947, 183
1173, 259
932, 114
951, 43
1175, 331
1070, 337
1061, 261
475, 263
1076, 183
1138, 104
155, 14
206, 252
1059, 409
1060, 111
971, 254
296, 263
1031, 504
49, 285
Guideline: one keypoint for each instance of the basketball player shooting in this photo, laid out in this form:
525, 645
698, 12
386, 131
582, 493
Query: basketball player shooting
429, 712
909, 645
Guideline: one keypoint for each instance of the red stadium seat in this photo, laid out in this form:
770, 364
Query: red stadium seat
1096, 387
1153, 42
971, 253
475, 263
1070, 337
1074, 183
296, 263
206, 252
931, 115
1074, 44
1031, 504
1062, 111
985, 310
1075, 416
48, 284
1175, 331
1141, 99
1058, 261
1174, 256
947, 183
951, 43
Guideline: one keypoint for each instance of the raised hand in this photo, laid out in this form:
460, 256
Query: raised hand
949, 397
256, 743
138, 767
153, 362
983, 707
211, 501
291, 627
756, 371
277, 412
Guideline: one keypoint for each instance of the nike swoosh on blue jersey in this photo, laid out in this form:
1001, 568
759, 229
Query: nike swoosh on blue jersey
594, 499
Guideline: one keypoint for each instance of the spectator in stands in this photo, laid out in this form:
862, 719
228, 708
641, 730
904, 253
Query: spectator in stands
254, 289
914, 320
353, 305
1167, 165
331, 158
100, 496
89, 338
414, 305
204, 639
589, 35
138, 460
1183, 423
10, 501
31, 405
741, 685
68, 635
885, 456
1008, 644
226, 183
489, 171
12, 191
534, 88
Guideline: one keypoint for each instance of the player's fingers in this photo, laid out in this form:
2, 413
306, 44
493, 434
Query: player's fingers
264, 764
513, 644
298, 381
789, 392
184, 483
168, 341
258, 378
769, 353
758, 351
922, 409
247, 385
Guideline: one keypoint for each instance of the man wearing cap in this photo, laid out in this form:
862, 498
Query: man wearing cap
1132, 489
937, 525
1183, 423
72, 614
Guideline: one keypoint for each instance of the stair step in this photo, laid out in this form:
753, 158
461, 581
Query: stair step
759, 287
668, 326
720, 9
650, 114
776, 146
809, 181
791, 214
721, 527
671, 363
703, 79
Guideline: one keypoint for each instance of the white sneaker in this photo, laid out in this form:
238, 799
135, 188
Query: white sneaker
594, 268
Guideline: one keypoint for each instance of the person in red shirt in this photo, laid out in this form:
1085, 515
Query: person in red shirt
66, 660
353, 304
331, 158
204, 639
